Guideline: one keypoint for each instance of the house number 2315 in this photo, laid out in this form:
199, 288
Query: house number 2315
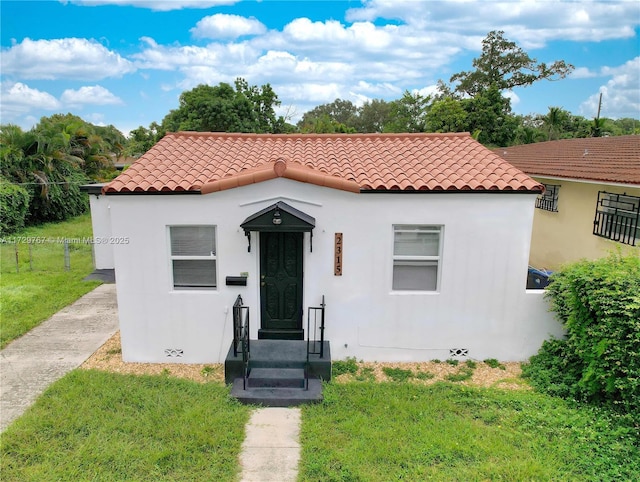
337, 258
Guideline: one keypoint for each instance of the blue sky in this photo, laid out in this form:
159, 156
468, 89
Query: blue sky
125, 62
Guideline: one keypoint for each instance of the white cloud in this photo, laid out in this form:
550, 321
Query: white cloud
19, 99
227, 26
582, 73
620, 95
94, 95
158, 5
67, 58
175, 57
531, 24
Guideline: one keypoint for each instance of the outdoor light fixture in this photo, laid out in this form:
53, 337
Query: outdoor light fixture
276, 217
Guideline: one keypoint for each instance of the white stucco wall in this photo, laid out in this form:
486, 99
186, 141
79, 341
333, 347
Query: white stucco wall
103, 242
481, 303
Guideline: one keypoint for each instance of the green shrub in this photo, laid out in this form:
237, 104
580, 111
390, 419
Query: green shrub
14, 204
599, 361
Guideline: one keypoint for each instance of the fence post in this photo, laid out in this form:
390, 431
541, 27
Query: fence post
15, 246
67, 259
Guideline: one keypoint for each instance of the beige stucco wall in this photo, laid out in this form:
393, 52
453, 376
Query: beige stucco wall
567, 235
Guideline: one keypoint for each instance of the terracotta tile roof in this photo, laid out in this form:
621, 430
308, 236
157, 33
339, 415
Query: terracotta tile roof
208, 162
612, 159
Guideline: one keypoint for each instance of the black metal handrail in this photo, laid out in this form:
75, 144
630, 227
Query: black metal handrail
315, 346
245, 346
241, 335
238, 311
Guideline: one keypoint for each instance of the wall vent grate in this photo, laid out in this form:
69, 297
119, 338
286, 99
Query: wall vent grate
173, 352
458, 352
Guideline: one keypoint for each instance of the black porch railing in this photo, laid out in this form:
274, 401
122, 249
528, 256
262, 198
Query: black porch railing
315, 346
315, 329
241, 335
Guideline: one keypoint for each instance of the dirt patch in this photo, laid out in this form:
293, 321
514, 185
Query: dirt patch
506, 375
109, 358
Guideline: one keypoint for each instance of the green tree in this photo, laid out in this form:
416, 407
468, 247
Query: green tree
409, 114
373, 115
263, 100
338, 112
505, 65
553, 122
489, 114
324, 124
222, 108
447, 115
142, 139
53, 159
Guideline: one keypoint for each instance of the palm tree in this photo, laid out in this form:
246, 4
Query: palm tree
553, 122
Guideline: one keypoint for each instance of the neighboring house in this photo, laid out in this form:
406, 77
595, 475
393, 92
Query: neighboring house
591, 204
419, 244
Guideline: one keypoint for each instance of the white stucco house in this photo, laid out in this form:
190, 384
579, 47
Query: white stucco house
419, 244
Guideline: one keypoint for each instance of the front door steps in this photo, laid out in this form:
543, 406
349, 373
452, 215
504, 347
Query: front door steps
276, 373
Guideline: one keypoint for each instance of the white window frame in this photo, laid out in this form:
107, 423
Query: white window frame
437, 259
212, 256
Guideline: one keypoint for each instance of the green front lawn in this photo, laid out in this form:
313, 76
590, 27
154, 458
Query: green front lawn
99, 426
92, 425
402, 431
38, 286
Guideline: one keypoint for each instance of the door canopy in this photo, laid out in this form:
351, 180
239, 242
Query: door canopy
279, 217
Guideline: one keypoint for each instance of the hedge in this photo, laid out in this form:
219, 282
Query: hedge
14, 205
599, 360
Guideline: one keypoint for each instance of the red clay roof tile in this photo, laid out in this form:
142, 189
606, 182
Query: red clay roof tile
607, 159
206, 162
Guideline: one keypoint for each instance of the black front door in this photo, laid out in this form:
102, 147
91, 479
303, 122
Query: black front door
281, 286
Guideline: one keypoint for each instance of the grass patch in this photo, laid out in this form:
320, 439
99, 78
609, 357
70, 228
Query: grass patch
93, 425
397, 374
41, 287
424, 375
463, 374
340, 367
366, 374
374, 431
493, 363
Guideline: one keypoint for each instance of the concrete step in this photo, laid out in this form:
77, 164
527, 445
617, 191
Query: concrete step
276, 378
278, 354
277, 396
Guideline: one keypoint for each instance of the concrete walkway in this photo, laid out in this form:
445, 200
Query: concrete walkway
271, 450
31, 363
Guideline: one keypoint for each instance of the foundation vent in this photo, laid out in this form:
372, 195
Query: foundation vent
173, 352
458, 352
